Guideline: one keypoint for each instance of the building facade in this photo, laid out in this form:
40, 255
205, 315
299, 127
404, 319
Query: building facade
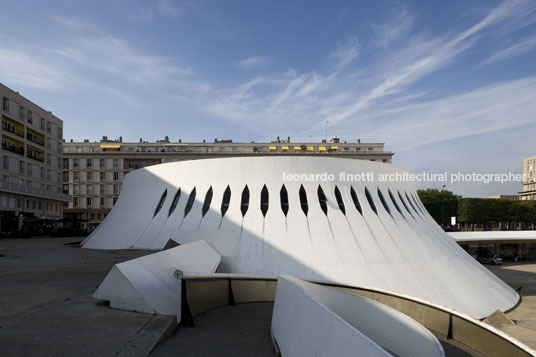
529, 179
93, 172
32, 160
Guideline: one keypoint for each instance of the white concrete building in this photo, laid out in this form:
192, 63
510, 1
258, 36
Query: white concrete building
315, 218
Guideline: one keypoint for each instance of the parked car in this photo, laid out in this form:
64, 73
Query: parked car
493, 259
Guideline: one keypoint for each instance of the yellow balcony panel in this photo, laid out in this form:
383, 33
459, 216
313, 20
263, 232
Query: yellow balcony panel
310, 148
322, 148
35, 137
12, 126
284, 148
297, 148
271, 148
334, 148
110, 146
10, 144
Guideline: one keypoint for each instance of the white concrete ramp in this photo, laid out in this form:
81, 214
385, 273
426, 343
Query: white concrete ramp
311, 319
147, 284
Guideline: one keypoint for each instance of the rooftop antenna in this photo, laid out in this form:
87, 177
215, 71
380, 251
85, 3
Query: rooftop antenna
326, 131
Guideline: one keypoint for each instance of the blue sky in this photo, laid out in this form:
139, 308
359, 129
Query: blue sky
447, 85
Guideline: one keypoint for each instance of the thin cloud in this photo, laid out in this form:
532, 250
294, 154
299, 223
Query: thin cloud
252, 62
526, 45
395, 29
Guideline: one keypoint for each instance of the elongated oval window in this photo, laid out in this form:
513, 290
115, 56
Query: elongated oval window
206, 203
225, 201
264, 200
323, 200
160, 203
283, 194
404, 203
383, 201
340, 202
417, 202
303, 200
356, 200
244, 205
411, 204
189, 203
174, 202
370, 201
394, 202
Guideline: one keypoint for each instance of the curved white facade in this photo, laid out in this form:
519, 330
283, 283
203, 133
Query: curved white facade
364, 233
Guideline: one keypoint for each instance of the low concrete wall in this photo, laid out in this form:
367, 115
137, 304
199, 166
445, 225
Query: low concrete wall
219, 290
302, 326
389, 328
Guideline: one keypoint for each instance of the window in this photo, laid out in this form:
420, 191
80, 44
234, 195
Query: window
43, 123
5, 178
49, 175
21, 167
303, 200
5, 162
102, 202
65, 189
160, 203
340, 201
383, 202
60, 134
49, 144
66, 164
89, 189
174, 202
264, 200
283, 195
89, 163
30, 117
29, 169
75, 163
370, 201
115, 189
322, 199
49, 160
76, 189
103, 176
395, 203
88, 201
116, 163
102, 189
75, 201
244, 205
114, 200
116, 176
404, 203
49, 127
65, 176
6, 104
356, 200
59, 147
206, 203
42, 173
189, 203
225, 201
101, 162
89, 176
22, 113
75, 176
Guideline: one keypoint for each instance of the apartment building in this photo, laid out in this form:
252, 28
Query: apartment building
529, 179
93, 172
32, 160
